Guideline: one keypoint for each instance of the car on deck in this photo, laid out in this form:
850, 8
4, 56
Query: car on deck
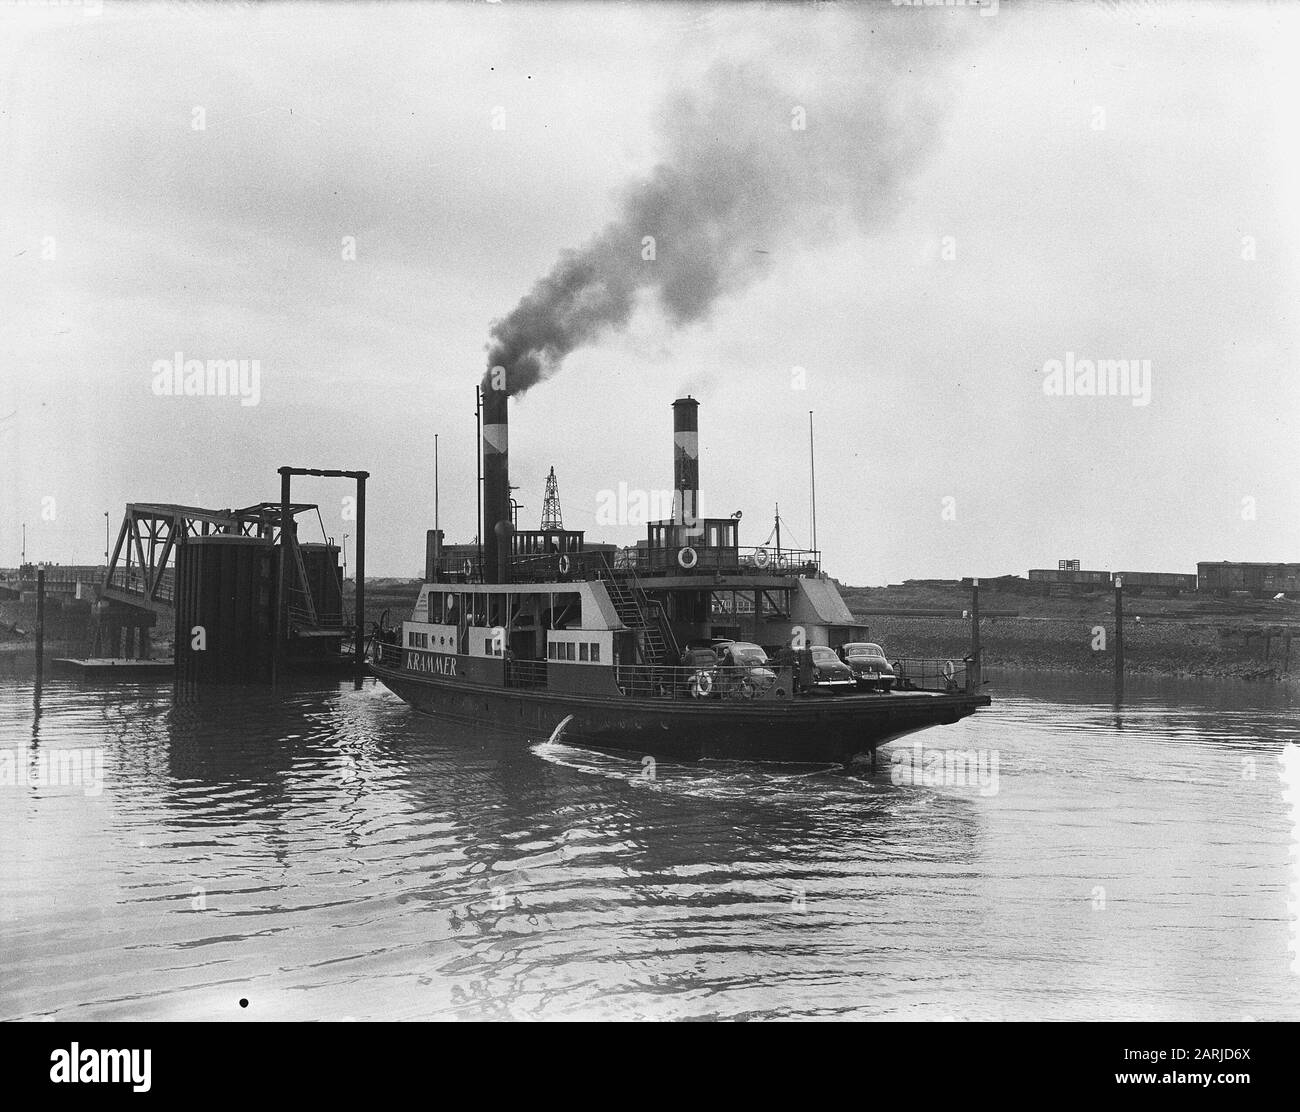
829, 672
743, 669
699, 675
869, 665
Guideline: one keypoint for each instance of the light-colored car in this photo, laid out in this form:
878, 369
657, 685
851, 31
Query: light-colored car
870, 667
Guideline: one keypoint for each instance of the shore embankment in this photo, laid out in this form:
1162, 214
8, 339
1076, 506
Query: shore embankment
1188, 635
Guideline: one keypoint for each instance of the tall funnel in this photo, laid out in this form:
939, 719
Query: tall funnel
496, 482
686, 461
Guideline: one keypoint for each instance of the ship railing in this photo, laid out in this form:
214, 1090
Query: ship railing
550, 567
387, 653
701, 684
526, 673
760, 560
547, 567
932, 674
768, 560
458, 569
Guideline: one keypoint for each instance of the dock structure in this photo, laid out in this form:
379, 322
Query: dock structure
227, 578
284, 617
113, 668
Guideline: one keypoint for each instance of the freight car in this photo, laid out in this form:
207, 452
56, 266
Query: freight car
1058, 581
1171, 583
1260, 580
1061, 581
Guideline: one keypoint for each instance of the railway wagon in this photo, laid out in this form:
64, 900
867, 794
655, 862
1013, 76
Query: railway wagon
1063, 581
1058, 581
1259, 579
1170, 583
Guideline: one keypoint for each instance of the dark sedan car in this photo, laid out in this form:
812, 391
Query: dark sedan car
829, 672
743, 670
871, 670
699, 674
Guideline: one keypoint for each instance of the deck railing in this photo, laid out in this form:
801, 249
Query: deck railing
930, 674
949, 676
548, 567
526, 673
718, 682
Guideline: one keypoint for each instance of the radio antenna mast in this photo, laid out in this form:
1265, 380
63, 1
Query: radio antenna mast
551, 518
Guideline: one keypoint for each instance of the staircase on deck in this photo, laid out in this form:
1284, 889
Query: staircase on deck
635, 610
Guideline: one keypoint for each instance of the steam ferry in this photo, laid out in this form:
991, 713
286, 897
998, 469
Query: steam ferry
684, 647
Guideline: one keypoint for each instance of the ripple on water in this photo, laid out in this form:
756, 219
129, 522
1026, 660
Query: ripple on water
333, 854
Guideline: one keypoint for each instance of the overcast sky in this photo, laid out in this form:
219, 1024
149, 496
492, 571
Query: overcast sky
1112, 182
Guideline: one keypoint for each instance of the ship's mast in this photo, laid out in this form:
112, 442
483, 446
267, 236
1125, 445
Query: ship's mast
551, 517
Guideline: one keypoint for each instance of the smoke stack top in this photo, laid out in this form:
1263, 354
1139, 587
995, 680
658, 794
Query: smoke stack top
752, 164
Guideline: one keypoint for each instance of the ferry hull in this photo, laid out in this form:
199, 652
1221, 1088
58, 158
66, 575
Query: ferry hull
833, 729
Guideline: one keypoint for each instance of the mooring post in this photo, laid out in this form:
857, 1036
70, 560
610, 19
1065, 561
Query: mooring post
1119, 636
281, 594
40, 625
978, 679
359, 646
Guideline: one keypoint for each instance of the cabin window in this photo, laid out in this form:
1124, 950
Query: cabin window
595, 652
582, 651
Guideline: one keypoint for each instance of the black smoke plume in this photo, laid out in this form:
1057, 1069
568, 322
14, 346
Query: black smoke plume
741, 181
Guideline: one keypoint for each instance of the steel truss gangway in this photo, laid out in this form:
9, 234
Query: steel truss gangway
141, 572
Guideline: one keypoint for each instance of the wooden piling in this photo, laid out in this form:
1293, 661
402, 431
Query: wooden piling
1119, 636
40, 625
359, 643
282, 579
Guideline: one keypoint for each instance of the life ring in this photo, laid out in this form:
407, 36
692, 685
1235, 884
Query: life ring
451, 601
564, 565
761, 557
701, 684
687, 558
469, 568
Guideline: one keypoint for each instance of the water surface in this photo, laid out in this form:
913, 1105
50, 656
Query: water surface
329, 853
